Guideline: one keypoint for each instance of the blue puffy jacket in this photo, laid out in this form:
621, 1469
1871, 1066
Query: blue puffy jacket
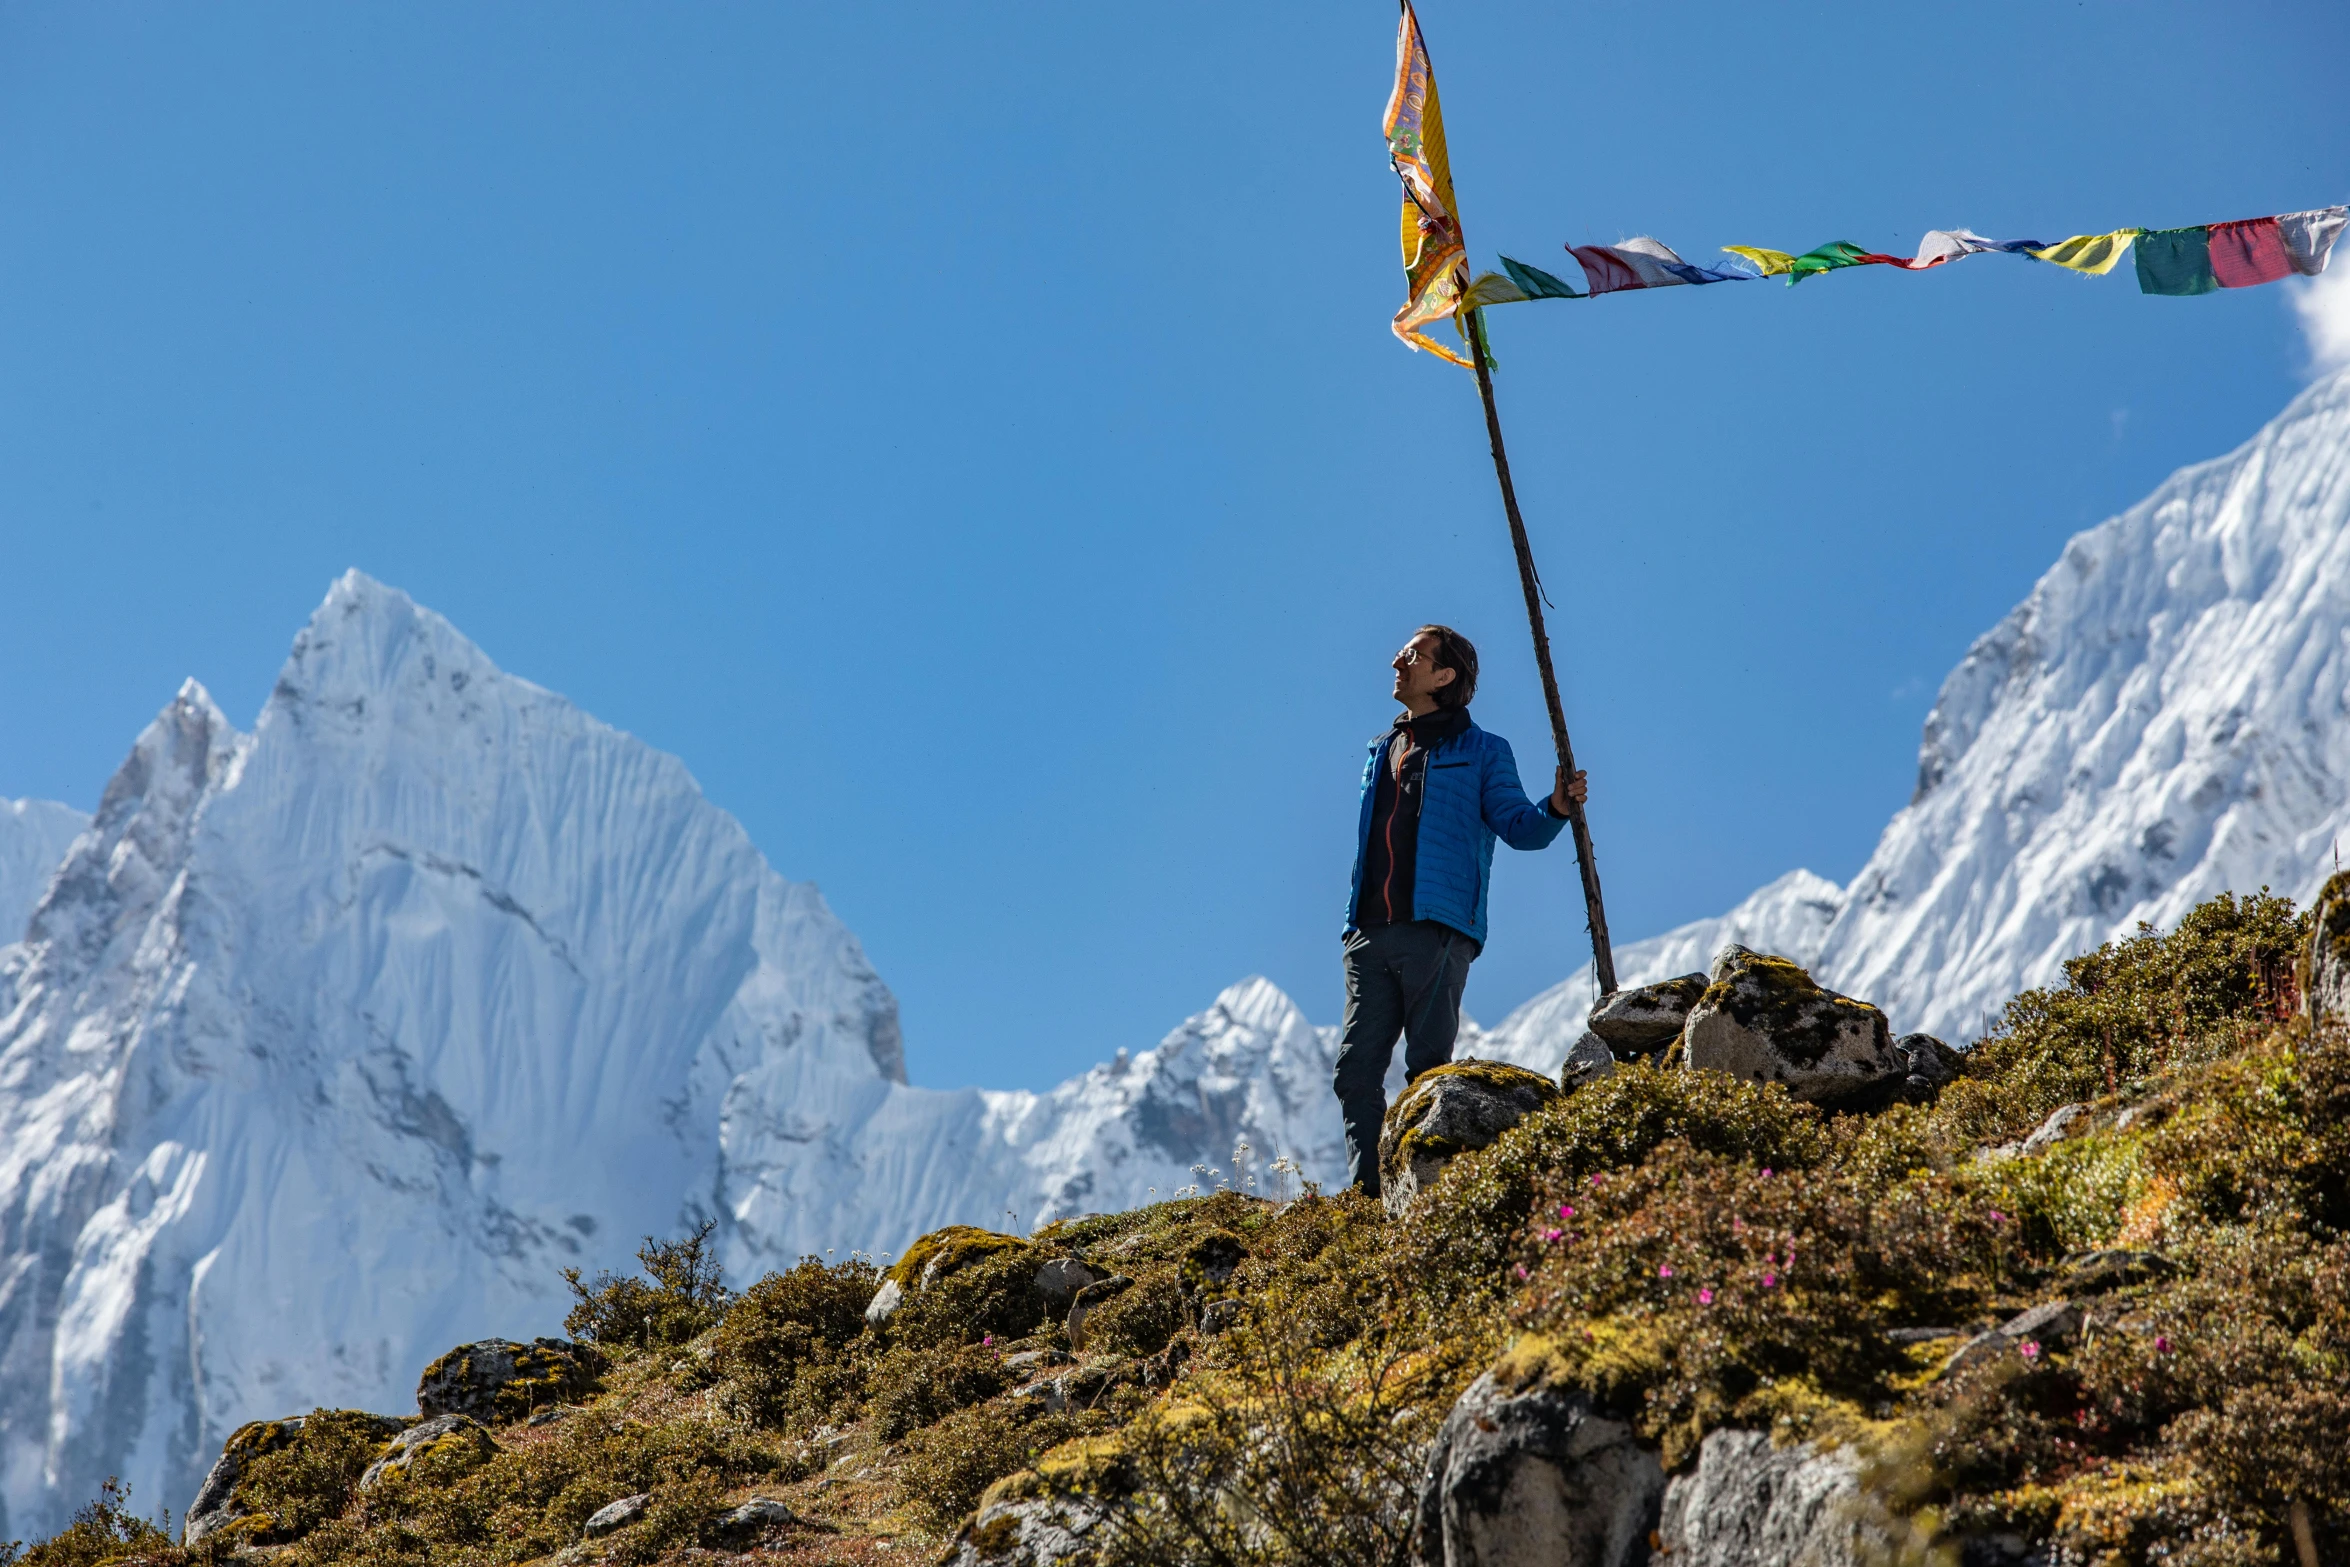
1471, 797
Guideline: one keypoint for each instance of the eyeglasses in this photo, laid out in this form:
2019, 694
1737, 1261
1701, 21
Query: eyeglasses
1409, 656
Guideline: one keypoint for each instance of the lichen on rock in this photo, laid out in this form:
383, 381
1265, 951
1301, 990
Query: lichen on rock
1765, 1019
1448, 1111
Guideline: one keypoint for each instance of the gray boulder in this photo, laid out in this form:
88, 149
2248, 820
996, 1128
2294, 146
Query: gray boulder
1748, 1504
1588, 1062
442, 1434
215, 1504
755, 1518
885, 1302
1029, 1531
1533, 1476
2324, 967
616, 1515
1931, 1063
1449, 1111
1643, 1020
1059, 1279
497, 1379
1766, 1020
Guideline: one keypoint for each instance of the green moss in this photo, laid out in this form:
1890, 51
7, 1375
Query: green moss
955, 1247
1773, 996
1418, 1142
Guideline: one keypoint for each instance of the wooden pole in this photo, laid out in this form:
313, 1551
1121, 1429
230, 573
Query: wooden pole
1603, 957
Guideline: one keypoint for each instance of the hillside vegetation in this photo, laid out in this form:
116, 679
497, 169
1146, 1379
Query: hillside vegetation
1695, 1252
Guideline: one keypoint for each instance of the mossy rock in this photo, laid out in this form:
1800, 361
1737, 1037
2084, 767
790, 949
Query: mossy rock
1448, 1111
498, 1380
2324, 968
946, 1251
1765, 1019
275, 1479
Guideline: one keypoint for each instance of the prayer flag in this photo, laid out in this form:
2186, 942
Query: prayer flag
2175, 261
1522, 283
2091, 253
2310, 236
1643, 263
1435, 260
1942, 245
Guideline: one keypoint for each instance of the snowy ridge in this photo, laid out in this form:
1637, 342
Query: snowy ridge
2160, 721
34, 835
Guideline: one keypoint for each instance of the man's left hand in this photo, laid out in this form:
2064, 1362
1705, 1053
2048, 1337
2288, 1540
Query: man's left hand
1569, 791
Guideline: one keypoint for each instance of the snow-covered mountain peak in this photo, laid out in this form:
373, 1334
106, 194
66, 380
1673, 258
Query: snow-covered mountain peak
429, 986
2160, 720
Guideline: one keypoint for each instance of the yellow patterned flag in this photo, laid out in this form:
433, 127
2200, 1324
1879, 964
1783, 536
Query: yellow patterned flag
1435, 261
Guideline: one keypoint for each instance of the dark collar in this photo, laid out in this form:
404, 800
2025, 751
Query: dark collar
1434, 729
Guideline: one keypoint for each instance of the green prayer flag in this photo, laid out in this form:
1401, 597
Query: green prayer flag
1827, 258
1535, 283
2175, 261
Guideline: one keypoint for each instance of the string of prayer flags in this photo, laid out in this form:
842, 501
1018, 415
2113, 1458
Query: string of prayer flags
2197, 260
1435, 258
2169, 261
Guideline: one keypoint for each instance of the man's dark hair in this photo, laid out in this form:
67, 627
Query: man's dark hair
1458, 654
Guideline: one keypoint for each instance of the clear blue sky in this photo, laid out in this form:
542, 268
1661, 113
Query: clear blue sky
969, 435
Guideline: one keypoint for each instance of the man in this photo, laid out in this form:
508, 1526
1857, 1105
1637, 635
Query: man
1437, 791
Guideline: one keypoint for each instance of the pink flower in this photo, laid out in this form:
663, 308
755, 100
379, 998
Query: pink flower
1997, 1217
986, 1340
1705, 1296
1766, 1175
2162, 1343
1737, 1225
1770, 1281
1595, 1180
1521, 1270
1664, 1270
1566, 1210
2030, 1349
1552, 1235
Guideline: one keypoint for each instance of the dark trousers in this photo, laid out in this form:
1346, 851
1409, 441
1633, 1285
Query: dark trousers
1400, 979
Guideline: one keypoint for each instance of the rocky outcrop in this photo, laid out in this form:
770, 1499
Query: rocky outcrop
1528, 1474
217, 1504
1643, 1020
2324, 969
616, 1515
447, 1437
1930, 1064
1058, 1280
1029, 1532
1588, 1062
498, 1380
1749, 1504
1766, 1020
1447, 1112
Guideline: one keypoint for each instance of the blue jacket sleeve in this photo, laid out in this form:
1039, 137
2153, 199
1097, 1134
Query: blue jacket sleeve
1517, 821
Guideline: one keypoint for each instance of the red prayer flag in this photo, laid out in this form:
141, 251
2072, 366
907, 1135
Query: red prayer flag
2249, 253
